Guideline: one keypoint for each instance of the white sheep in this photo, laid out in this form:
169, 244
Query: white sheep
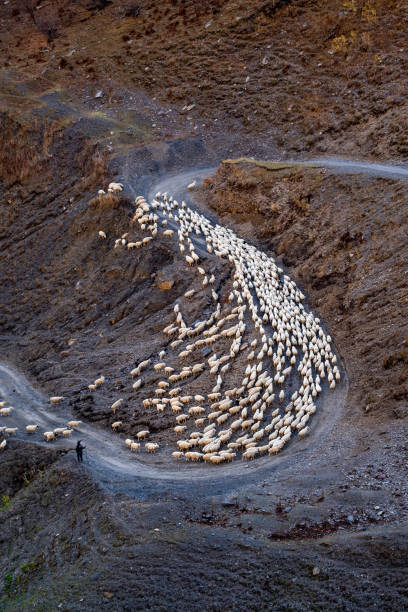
74, 424
56, 398
115, 426
183, 445
10, 430
151, 447
116, 405
142, 434
112, 187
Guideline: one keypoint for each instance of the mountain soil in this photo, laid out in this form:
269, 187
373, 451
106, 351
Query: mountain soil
144, 93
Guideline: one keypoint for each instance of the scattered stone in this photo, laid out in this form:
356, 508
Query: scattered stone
165, 285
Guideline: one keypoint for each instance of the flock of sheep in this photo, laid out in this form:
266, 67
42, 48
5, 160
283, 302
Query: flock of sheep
263, 323
7, 411
261, 338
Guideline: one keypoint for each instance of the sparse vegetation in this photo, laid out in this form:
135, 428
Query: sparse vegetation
5, 502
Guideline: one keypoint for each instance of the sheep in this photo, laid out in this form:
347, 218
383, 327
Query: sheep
115, 187
182, 418
168, 232
185, 399
74, 424
196, 411
207, 457
135, 447
177, 455
128, 442
303, 432
49, 436
56, 398
279, 303
6, 411
216, 459
142, 434
190, 293
67, 433
276, 447
236, 424
143, 364
3, 445
10, 430
179, 429
228, 456
116, 405
183, 444
193, 456
101, 234
99, 381
151, 447
115, 426
250, 453
136, 385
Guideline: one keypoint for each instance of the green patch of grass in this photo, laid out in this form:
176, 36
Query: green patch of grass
8, 582
5, 502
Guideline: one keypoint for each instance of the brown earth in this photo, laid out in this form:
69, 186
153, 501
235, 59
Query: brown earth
70, 546
298, 75
265, 78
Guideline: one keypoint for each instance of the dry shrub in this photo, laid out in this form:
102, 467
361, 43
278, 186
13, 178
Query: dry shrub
105, 202
20, 150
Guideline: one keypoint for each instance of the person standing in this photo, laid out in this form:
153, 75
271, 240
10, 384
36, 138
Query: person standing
79, 451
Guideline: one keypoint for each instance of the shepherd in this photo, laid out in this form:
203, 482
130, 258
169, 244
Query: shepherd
79, 450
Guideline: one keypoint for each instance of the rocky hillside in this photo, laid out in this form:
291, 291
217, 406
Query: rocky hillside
93, 91
347, 248
288, 75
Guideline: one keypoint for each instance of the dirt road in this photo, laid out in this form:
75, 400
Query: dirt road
106, 454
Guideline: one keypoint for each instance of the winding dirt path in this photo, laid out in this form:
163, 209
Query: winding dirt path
121, 471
